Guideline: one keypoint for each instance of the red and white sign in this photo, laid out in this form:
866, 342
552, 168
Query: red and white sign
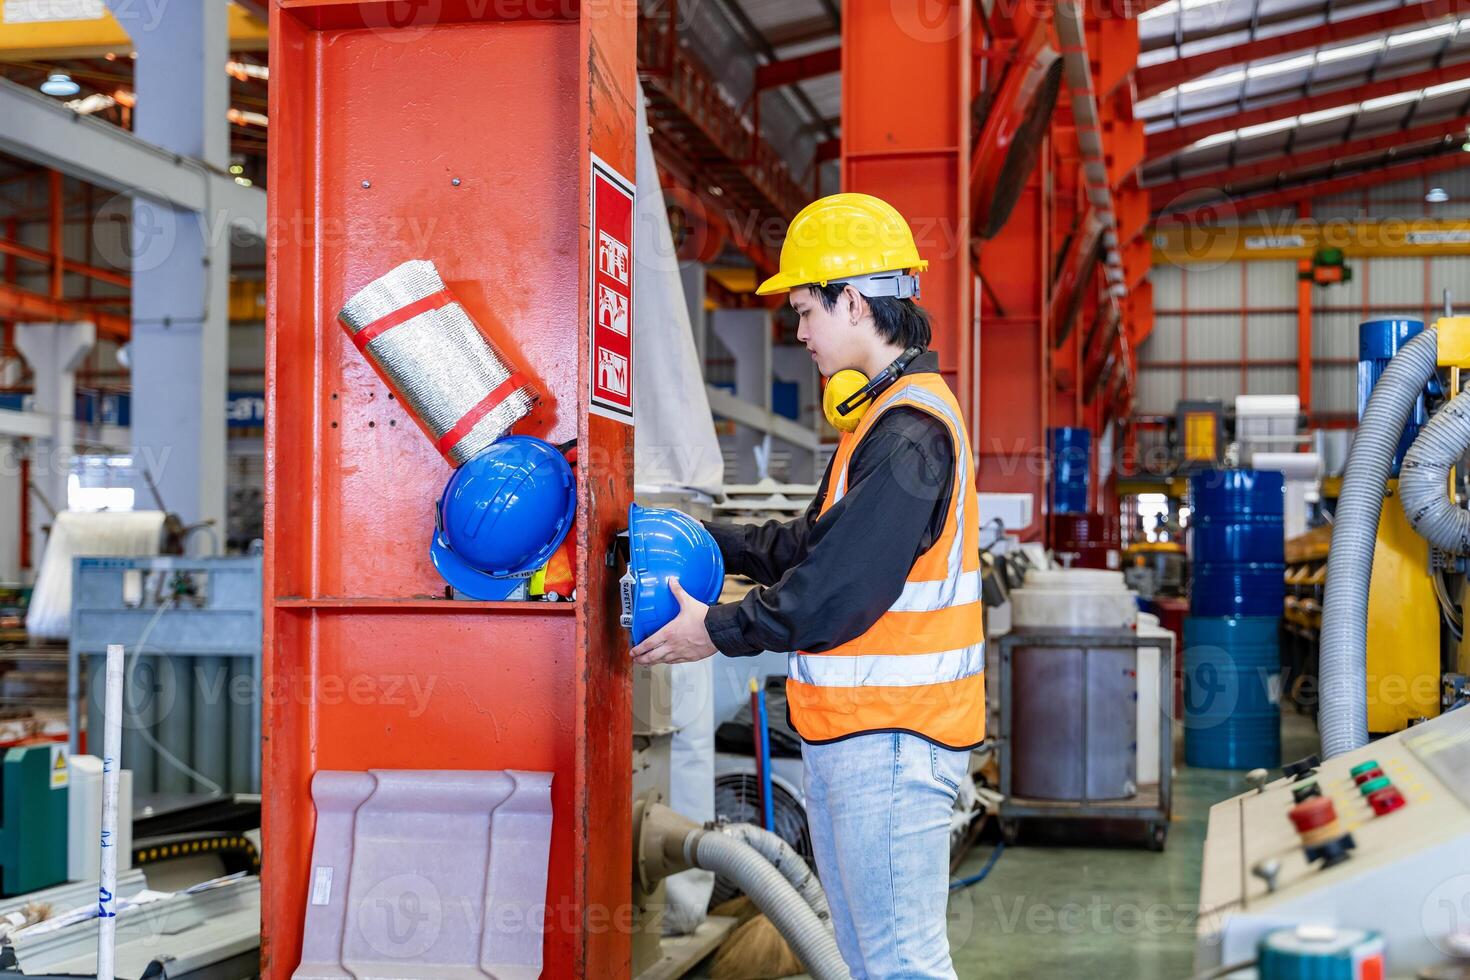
610, 302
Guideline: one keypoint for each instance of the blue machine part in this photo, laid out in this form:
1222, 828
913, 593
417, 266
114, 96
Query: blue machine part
1070, 450
502, 515
1378, 342
664, 544
1238, 549
1321, 953
1232, 692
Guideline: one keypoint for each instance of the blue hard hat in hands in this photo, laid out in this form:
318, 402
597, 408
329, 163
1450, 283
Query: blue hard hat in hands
665, 544
503, 514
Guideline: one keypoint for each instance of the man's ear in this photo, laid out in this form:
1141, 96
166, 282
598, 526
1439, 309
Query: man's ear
855, 302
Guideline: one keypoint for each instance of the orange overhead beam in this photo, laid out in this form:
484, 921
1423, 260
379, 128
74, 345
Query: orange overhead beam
23, 305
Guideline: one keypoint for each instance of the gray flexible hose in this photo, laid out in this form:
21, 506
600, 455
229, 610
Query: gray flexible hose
810, 939
1343, 710
783, 858
1425, 478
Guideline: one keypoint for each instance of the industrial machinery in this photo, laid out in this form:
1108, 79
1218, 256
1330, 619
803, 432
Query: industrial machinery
192, 632
1403, 611
1373, 839
1364, 855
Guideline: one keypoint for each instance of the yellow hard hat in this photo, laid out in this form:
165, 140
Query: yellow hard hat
847, 236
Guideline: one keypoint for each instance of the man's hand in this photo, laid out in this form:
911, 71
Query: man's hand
681, 641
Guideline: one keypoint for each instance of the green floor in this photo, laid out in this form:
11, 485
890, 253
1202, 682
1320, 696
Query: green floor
1097, 911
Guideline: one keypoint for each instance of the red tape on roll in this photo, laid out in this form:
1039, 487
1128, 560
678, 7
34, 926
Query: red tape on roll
400, 316
470, 419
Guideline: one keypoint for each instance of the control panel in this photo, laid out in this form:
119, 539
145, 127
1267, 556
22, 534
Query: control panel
1377, 839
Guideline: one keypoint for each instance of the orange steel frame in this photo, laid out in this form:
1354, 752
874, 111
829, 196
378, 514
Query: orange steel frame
370, 123
906, 139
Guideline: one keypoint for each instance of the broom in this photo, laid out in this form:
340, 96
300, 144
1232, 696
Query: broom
755, 950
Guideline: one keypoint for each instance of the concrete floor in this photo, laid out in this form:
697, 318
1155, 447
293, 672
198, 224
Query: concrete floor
1099, 911
1086, 907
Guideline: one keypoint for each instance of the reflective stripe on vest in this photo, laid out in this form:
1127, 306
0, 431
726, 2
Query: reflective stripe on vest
879, 670
920, 667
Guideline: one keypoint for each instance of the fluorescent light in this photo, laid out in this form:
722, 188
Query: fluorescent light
59, 84
1423, 34
1323, 115
1214, 139
1389, 100
1349, 50
1437, 195
1434, 91
1214, 81
1277, 67
1261, 129
1162, 10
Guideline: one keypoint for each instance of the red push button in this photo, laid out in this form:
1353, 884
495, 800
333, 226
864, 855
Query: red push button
1363, 777
1386, 801
1312, 814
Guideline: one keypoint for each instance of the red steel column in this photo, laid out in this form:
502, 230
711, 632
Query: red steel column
1015, 350
906, 139
448, 135
1304, 327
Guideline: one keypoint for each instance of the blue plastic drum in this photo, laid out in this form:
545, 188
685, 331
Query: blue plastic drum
1232, 692
1070, 450
1238, 548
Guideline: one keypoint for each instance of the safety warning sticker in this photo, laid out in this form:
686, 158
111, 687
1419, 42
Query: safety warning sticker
59, 773
610, 300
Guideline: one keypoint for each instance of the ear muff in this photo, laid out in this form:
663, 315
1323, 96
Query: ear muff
840, 387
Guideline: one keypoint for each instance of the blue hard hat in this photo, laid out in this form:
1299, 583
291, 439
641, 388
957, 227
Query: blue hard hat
665, 544
503, 513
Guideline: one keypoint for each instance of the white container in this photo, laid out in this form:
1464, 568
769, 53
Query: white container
1079, 599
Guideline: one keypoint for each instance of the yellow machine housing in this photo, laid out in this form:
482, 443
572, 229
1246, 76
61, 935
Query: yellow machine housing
1403, 625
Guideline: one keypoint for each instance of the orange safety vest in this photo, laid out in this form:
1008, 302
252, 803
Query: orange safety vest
920, 667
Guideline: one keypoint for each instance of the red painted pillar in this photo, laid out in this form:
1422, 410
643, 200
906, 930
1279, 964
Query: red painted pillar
906, 139
375, 161
1015, 350
1304, 327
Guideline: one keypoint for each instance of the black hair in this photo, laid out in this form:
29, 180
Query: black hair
901, 322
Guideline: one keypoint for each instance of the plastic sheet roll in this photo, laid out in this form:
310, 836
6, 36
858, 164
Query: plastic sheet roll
424, 345
81, 533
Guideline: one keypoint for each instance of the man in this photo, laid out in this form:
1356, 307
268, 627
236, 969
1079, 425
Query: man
877, 589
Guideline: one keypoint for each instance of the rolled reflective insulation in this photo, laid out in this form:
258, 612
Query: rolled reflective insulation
424, 345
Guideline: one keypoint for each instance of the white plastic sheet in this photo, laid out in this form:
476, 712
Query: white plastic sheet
674, 444
77, 534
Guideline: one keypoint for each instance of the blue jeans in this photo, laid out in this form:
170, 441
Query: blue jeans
879, 807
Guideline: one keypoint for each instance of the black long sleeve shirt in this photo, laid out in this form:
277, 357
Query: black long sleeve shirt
825, 581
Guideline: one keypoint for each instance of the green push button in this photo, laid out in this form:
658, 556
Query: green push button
1361, 768
1374, 785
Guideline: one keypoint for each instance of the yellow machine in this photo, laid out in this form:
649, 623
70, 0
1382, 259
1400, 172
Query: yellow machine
1403, 625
